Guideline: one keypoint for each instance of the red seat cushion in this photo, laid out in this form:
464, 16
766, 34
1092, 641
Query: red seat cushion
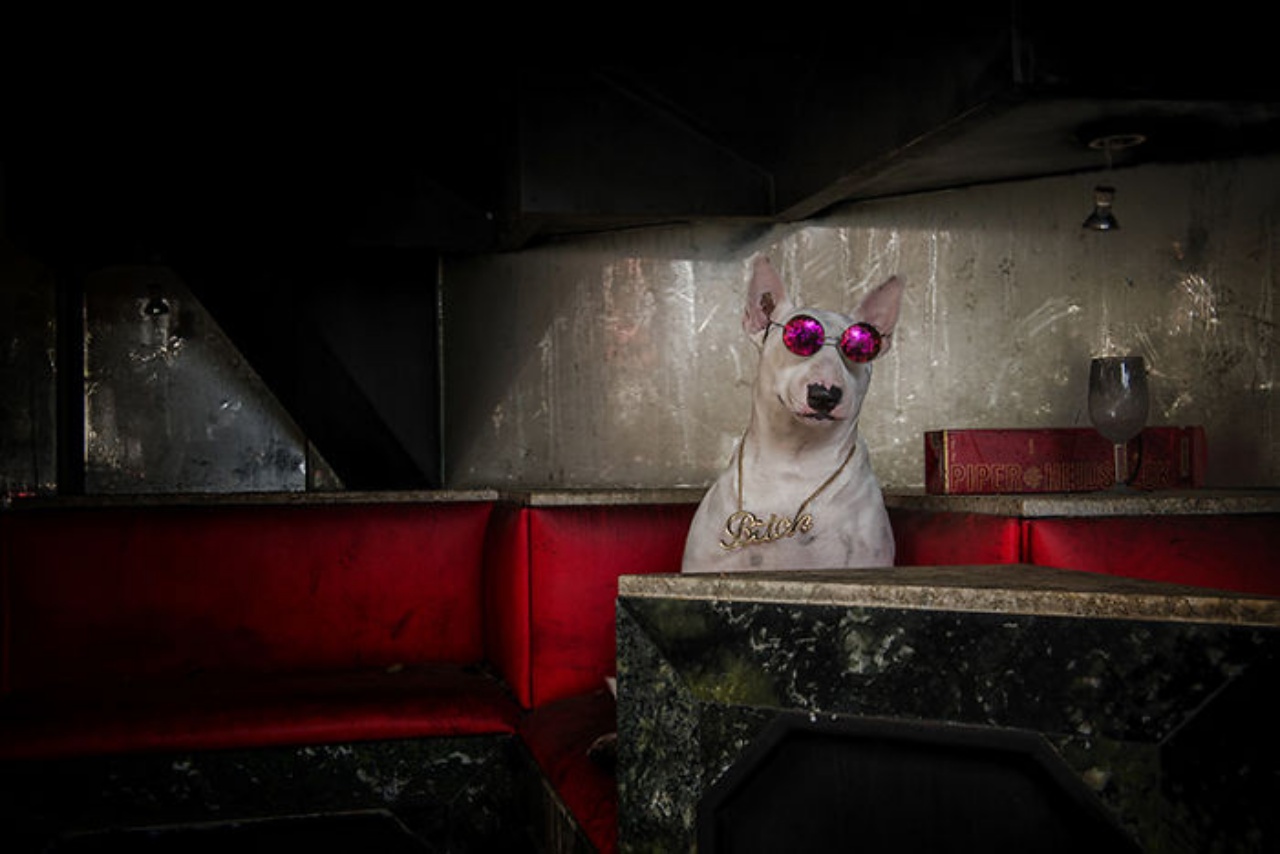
576, 556
560, 735
955, 539
506, 598
217, 712
1223, 552
112, 594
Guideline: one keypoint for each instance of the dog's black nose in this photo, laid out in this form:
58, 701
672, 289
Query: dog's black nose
824, 398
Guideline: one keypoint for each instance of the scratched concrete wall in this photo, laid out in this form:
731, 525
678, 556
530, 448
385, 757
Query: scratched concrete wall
169, 404
619, 360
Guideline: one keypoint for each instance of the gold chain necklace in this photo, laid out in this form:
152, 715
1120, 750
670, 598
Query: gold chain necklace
744, 528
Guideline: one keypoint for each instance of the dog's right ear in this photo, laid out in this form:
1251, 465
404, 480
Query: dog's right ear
766, 297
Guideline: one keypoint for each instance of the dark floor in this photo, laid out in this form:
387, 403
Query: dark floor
439, 795
362, 832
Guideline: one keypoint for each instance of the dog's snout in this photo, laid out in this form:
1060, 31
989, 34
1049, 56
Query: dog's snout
824, 398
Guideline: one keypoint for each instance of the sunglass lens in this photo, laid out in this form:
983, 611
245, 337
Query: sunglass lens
861, 342
803, 335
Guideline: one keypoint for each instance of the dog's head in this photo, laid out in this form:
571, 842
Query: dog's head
817, 363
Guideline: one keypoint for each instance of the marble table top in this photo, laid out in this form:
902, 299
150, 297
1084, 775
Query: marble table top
1146, 701
1012, 589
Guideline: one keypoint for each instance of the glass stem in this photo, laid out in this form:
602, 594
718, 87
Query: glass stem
1121, 464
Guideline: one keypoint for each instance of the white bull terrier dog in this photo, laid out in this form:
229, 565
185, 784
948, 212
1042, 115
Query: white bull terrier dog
799, 492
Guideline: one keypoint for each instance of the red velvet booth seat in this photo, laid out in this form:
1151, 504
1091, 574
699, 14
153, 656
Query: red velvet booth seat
212, 626
924, 538
220, 712
552, 585
229, 624
218, 625
1223, 552
553, 582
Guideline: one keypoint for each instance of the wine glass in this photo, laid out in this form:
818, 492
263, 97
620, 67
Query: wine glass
1118, 406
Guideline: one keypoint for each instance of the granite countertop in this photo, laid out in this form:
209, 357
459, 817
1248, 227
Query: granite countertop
603, 497
256, 499
1156, 503
1011, 589
1161, 503
1084, 504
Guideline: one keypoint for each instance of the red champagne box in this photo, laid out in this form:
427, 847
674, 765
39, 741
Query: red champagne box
1072, 459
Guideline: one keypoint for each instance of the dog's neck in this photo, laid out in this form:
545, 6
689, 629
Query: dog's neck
775, 447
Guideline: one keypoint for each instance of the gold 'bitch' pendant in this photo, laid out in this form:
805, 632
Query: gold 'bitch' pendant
744, 528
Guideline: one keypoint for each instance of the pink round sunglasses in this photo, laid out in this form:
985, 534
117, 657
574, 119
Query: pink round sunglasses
805, 335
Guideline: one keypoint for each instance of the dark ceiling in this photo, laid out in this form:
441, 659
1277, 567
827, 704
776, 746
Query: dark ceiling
119, 151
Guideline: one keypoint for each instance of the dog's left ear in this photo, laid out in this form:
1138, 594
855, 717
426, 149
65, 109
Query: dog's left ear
880, 308
766, 297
